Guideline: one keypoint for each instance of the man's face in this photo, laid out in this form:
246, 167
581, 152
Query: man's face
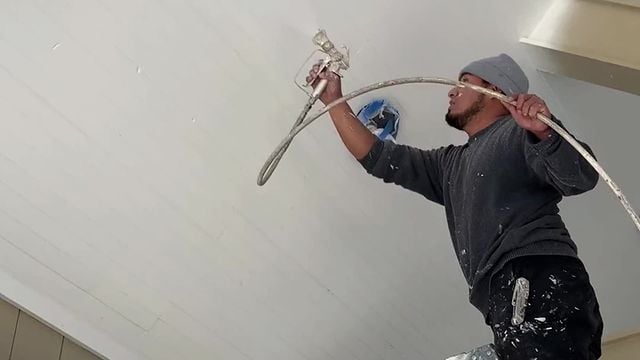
464, 103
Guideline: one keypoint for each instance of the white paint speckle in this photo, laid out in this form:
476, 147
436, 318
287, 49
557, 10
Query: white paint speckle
56, 46
541, 319
139, 70
193, 120
553, 280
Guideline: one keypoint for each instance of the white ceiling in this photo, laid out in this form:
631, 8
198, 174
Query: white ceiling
130, 140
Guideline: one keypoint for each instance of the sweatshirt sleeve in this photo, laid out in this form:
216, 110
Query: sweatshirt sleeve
559, 164
417, 170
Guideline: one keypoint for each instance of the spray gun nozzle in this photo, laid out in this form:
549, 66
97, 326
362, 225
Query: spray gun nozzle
321, 39
341, 59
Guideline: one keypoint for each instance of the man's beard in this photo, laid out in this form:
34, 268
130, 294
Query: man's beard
461, 120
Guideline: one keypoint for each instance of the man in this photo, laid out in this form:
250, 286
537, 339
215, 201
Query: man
500, 192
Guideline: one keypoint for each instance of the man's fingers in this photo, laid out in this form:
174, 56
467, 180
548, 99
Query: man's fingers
519, 102
509, 107
314, 73
525, 107
528, 104
536, 109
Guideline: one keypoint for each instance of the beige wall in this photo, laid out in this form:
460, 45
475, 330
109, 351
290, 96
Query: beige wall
24, 338
635, 3
623, 348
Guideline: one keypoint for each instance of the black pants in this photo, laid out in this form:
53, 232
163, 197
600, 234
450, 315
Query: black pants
562, 317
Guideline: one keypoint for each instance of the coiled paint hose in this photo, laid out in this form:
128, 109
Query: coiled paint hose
302, 122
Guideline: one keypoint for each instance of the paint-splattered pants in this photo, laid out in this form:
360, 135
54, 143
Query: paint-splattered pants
562, 317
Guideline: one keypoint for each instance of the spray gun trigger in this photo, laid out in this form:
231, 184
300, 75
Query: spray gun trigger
324, 65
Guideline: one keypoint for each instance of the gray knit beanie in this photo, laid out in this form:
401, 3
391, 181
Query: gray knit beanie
501, 71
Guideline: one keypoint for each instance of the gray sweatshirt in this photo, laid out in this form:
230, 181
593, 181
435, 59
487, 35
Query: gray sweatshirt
500, 192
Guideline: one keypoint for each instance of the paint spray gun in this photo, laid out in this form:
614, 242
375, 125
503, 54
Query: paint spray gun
333, 60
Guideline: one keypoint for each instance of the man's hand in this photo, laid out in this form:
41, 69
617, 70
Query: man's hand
355, 136
525, 113
334, 85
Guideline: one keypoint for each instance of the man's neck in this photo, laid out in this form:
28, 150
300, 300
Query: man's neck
481, 122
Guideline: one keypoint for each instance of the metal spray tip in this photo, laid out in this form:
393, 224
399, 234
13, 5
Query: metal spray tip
322, 40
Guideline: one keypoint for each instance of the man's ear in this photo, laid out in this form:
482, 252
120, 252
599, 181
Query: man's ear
496, 89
